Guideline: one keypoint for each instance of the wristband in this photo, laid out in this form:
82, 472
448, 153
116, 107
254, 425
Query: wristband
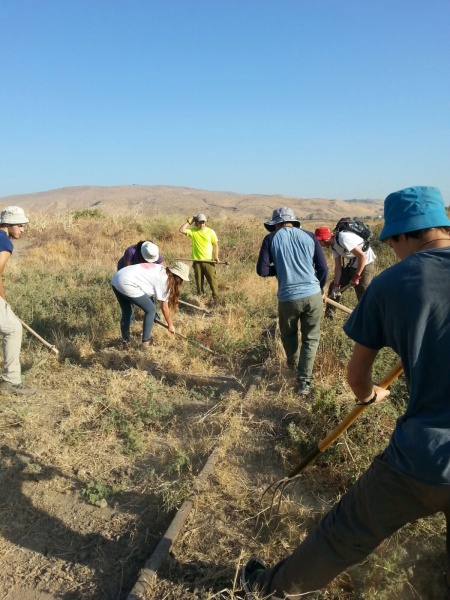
371, 401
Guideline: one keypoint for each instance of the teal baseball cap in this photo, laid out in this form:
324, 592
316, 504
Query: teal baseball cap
411, 209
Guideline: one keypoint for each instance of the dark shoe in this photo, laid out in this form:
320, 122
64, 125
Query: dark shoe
304, 389
250, 572
20, 389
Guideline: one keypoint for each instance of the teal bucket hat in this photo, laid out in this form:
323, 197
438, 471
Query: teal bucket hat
411, 209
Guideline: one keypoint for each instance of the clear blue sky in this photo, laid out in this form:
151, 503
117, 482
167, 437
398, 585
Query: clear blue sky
310, 98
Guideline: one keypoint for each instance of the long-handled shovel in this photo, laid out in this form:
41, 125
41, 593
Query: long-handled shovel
185, 338
279, 486
37, 336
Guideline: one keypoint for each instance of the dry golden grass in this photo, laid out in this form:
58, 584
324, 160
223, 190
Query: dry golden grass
137, 427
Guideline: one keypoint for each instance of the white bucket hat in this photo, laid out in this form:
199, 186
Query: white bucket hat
150, 251
13, 215
181, 270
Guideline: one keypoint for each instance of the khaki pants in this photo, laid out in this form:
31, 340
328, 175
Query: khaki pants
375, 507
11, 330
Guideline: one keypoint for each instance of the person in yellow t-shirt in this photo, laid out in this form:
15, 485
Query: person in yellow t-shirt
205, 252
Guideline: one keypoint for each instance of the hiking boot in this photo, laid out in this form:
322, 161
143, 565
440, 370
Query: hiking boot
18, 389
249, 575
304, 389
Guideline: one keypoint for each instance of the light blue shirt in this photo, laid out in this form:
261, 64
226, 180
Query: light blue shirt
293, 254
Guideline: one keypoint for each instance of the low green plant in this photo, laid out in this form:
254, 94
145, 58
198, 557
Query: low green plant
94, 491
88, 213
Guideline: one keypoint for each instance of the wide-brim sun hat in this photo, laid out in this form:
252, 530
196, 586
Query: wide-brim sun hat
323, 234
412, 209
150, 252
282, 215
201, 217
180, 269
13, 215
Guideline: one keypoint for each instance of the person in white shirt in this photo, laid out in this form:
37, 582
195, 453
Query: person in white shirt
347, 247
137, 284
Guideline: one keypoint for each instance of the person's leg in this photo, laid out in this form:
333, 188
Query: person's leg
365, 279
211, 278
288, 315
310, 335
376, 506
149, 309
198, 276
11, 330
202, 282
127, 314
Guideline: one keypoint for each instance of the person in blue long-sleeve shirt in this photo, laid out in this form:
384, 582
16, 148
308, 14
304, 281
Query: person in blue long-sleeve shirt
296, 259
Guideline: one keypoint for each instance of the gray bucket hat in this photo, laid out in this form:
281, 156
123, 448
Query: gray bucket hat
13, 215
150, 251
282, 215
181, 270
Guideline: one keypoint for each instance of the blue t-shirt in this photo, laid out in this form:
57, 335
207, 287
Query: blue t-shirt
407, 308
5, 242
292, 251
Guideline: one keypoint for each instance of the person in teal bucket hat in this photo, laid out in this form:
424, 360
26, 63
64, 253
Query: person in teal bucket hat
406, 308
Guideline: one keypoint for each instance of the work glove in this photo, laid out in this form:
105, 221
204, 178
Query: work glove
354, 280
190, 220
335, 291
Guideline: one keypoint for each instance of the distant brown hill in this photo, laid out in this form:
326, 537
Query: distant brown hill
155, 199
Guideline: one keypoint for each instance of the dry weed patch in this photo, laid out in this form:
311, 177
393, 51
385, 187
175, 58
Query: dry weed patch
94, 466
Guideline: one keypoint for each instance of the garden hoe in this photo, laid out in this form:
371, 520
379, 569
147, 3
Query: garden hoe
279, 486
37, 336
185, 338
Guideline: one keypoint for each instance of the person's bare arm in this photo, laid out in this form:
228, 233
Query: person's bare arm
185, 226
337, 270
166, 313
216, 251
3, 260
361, 260
359, 375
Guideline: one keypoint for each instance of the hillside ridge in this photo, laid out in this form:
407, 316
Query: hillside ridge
148, 200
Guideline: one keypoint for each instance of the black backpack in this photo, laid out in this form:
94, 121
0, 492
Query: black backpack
354, 225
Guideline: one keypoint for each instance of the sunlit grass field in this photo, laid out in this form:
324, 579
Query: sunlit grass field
154, 416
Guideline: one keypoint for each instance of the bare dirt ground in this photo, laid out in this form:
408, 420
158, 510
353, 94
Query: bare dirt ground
59, 446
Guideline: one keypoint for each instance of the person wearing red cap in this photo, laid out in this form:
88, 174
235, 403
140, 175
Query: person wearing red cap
359, 270
406, 308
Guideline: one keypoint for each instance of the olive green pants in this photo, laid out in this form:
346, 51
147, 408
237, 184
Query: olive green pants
306, 311
380, 502
206, 270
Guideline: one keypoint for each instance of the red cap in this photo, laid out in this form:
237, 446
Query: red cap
323, 234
